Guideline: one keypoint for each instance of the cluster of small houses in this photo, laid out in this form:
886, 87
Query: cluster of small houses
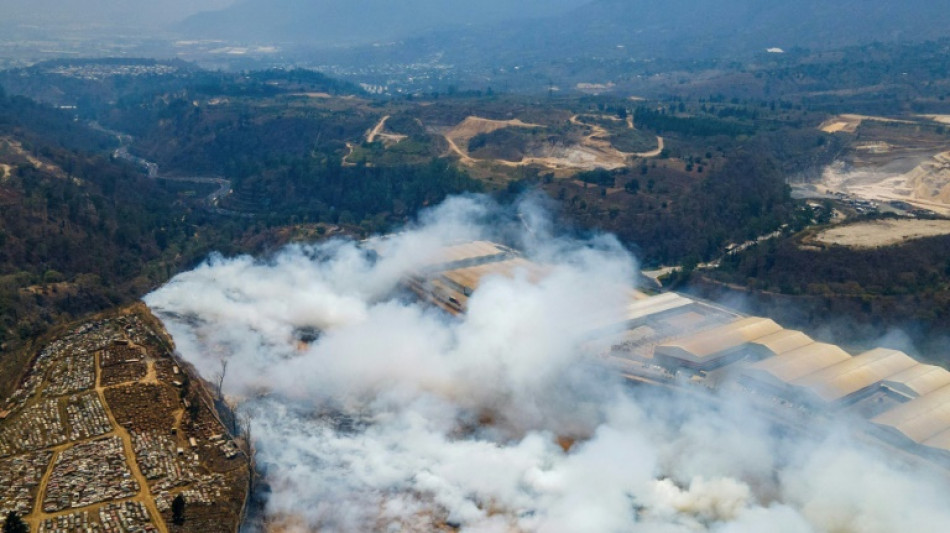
73, 373
162, 461
89, 473
126, 517
55, 404
87, 417
206, 491
85, 339
19, 478
101, 71
36, 427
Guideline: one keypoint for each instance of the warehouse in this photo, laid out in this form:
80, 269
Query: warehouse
640, 307
715, 347
465, 255
924, 421
918, 381
777, 343
466, 280
776, 375
853, 378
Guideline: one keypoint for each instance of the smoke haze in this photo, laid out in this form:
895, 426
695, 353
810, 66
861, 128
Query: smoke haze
398, 417
104, 12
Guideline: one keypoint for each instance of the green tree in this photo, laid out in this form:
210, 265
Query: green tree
178, 510
15, 524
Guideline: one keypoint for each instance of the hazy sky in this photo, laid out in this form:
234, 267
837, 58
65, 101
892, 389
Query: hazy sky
125, 12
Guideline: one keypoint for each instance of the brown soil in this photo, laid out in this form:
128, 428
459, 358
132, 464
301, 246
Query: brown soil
882, 233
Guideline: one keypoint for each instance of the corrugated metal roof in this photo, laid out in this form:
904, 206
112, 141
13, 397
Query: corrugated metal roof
848, 377
784, 341
919, 380
920, 419
470, 277
706, 344
635, 309
940, 440
464, 251
800, 362
655, 304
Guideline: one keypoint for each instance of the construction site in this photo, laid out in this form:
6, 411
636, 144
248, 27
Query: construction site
672, 340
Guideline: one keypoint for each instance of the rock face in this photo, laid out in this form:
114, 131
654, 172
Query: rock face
931, 179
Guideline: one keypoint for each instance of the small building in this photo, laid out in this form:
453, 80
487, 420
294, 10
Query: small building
714, 347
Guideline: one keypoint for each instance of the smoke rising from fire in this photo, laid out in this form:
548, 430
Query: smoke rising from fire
398, 417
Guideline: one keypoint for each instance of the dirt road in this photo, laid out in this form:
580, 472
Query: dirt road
37, 517
371, 136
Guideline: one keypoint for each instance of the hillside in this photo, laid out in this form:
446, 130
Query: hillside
79, 232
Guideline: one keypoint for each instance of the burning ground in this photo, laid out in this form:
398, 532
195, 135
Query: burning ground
397, 417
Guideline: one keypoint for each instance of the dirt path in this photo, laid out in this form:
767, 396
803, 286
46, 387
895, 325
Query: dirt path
151, 375
144, 495
850, 123
346, 156
463, 156
371, 136
593, 151
653, 153
37, 517
599, 131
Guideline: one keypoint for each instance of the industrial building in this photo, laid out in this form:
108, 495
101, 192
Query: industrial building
924, 421
714, 348
778, 374
918, 381
654, 338
777, 343
466, 254
848, 380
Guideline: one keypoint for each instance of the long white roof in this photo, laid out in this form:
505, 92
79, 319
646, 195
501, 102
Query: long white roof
800, 362
922, 419
919, 380
855, 374
707, 344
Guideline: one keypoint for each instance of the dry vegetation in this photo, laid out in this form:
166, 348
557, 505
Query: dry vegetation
879, 233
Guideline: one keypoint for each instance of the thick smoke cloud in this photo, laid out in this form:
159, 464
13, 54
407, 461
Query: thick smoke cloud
398, 417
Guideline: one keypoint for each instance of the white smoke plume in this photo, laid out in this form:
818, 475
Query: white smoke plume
400, 418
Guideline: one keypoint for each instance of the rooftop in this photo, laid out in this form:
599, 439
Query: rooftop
800, 362
707, 344
852, 375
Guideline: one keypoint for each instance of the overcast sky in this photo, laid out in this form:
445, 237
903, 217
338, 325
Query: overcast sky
111, 12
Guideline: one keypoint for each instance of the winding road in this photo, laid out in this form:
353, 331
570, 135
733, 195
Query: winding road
152, 171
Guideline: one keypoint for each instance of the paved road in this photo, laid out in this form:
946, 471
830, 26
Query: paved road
152, 171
